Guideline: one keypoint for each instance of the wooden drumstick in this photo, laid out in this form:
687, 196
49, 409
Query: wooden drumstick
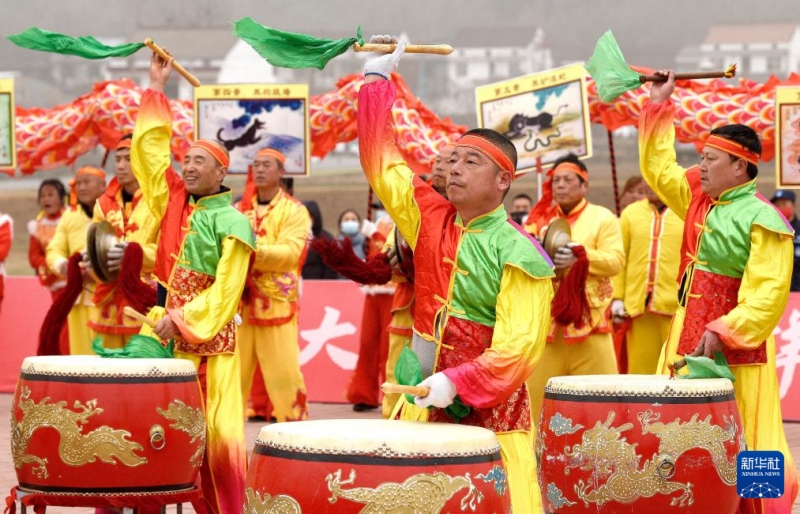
420, 391
387, 48
138, 316
180, 69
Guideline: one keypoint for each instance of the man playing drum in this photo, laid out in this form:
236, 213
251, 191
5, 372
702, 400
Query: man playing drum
201, 268
736, 266
483, 286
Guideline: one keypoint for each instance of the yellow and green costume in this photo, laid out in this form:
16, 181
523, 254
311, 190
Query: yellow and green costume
736, 266
201, 265
483, 293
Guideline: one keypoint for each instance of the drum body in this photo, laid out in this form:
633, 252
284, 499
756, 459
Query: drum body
638, 443
83, 425
351, 466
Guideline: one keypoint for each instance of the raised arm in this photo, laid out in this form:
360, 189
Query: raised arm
657, 159
150, 150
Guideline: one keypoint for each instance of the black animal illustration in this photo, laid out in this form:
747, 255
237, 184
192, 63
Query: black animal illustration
246, 139
520, 123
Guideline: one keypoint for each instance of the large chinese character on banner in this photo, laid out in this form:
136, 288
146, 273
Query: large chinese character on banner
8, 147
248, 117
545, 114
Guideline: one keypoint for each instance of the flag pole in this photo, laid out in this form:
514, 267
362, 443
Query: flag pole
180, 69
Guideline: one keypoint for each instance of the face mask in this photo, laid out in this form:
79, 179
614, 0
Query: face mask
787, 211
349, 227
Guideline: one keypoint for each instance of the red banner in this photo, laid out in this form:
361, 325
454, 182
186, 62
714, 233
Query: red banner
330, 319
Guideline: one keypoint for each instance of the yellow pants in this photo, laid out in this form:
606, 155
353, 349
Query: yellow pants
222, 473
80, 335
644, 341
400, 318
595, 356
277, 350
758, 398
516, 450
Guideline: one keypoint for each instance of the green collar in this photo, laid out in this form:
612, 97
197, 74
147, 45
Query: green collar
490, 219
221, 199
738, 192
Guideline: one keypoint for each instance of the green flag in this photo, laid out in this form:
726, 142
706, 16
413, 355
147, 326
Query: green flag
289, 49
85, 46
609, 70
138, 347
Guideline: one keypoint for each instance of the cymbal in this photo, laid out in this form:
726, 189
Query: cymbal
558, 234
99, 239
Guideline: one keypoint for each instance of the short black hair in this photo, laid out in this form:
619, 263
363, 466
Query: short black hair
523, 195
316, 217
499, 140
571, 158
349, 210
746, 137
126, 136
54, 182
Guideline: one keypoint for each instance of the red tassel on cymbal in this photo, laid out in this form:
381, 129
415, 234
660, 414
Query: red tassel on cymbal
339, 256
570, 305
141, 296
57, 314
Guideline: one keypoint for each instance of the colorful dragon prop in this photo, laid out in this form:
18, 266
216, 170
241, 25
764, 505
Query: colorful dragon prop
51, 138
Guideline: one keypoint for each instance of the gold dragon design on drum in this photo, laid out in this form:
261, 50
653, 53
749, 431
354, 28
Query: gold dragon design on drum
422, 493
254, 503
604, 451
189, 420
75, 448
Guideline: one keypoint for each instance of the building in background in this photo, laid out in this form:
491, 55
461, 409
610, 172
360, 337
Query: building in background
759, 49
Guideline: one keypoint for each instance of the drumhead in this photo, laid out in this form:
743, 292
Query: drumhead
379, 437
637, 385
94, 366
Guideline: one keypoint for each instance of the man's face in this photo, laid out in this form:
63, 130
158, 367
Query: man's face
89, 188
122, 167
202, 174
720, 172
474, 181
441, 168
568, 189
522, 205
267, 171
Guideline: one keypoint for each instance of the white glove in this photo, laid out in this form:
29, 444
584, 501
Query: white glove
618, 311
114, 256
368, 228
384, 64
442, 392
237, 319
564, 258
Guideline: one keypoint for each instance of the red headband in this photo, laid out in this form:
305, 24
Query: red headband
733, 148
91, 170
124, 143
214, 149
271, 152
570, 166
494, 154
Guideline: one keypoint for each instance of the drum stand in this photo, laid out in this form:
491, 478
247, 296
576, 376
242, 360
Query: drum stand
45, 500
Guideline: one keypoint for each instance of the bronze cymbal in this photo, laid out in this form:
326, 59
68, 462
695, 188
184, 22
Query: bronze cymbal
558, 234
99, 239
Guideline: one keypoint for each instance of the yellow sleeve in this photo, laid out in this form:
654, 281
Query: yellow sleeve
763, 293
518, 341
202, 318
387, 173
620, 279
608, 258
284, 254
58, 247
150, 151
657, 160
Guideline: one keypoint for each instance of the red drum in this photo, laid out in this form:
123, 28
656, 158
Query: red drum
638, 443
83, 425
351, 466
